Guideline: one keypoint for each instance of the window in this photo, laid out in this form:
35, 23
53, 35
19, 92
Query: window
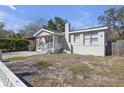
60, 39
94, 38
87, 38
77, 38
91, 38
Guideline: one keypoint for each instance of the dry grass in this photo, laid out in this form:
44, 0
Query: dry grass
72, 70
14, 59
45, 63
79, 69
117, 69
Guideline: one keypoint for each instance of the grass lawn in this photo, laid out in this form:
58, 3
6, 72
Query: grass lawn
70, 70
14, 59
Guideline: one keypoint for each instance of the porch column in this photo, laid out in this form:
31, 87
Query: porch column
37, 43
0, 55
53, 42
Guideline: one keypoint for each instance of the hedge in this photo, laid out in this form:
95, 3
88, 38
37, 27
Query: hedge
7, 44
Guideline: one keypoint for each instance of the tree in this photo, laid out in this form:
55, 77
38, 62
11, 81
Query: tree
7, 33
114, 19
57, 24
15, 36
120, 19
32, 28
3, 32
51, 25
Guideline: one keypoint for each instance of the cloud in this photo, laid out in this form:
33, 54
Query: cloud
12, 21
2, 15
15, 8
12, 7
83, 20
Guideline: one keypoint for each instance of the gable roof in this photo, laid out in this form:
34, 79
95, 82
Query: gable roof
49, 31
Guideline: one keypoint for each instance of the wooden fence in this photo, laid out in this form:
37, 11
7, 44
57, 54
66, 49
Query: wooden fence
118, 48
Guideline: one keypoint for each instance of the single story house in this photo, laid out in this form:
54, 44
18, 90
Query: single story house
91, 41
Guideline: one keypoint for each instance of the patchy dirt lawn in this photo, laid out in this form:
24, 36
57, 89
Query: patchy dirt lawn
64, 70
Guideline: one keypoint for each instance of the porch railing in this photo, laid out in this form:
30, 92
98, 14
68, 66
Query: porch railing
48, 45
8, 79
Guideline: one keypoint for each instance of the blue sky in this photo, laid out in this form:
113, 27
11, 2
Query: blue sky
15, 17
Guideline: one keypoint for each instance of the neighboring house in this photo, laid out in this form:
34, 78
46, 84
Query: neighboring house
32, 43
92, 41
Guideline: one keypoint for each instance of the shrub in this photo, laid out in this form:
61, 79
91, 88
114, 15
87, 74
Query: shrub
7, 44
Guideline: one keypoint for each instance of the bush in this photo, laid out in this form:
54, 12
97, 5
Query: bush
7, 44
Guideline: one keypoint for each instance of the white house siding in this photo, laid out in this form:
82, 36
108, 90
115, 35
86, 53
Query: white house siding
80, 41
40, 37
66, 43
44, 34
89, 50
81, 48
57, 44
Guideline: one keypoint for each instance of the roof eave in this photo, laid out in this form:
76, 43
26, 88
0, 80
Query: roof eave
41, 31
89, 30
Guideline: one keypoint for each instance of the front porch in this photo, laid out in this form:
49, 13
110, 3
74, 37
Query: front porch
49, 43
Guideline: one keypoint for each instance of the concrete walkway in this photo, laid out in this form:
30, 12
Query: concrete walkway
19, 54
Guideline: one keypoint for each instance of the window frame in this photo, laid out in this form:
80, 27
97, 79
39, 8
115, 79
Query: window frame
77, 36
84, 40
90, 38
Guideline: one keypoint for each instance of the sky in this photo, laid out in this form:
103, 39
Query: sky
79, 16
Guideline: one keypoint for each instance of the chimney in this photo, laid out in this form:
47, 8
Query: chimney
67, 29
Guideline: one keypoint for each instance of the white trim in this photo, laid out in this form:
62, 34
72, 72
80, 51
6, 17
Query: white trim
77, 38
53, 42
51, 32
88, 30
72, 32
41, 30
